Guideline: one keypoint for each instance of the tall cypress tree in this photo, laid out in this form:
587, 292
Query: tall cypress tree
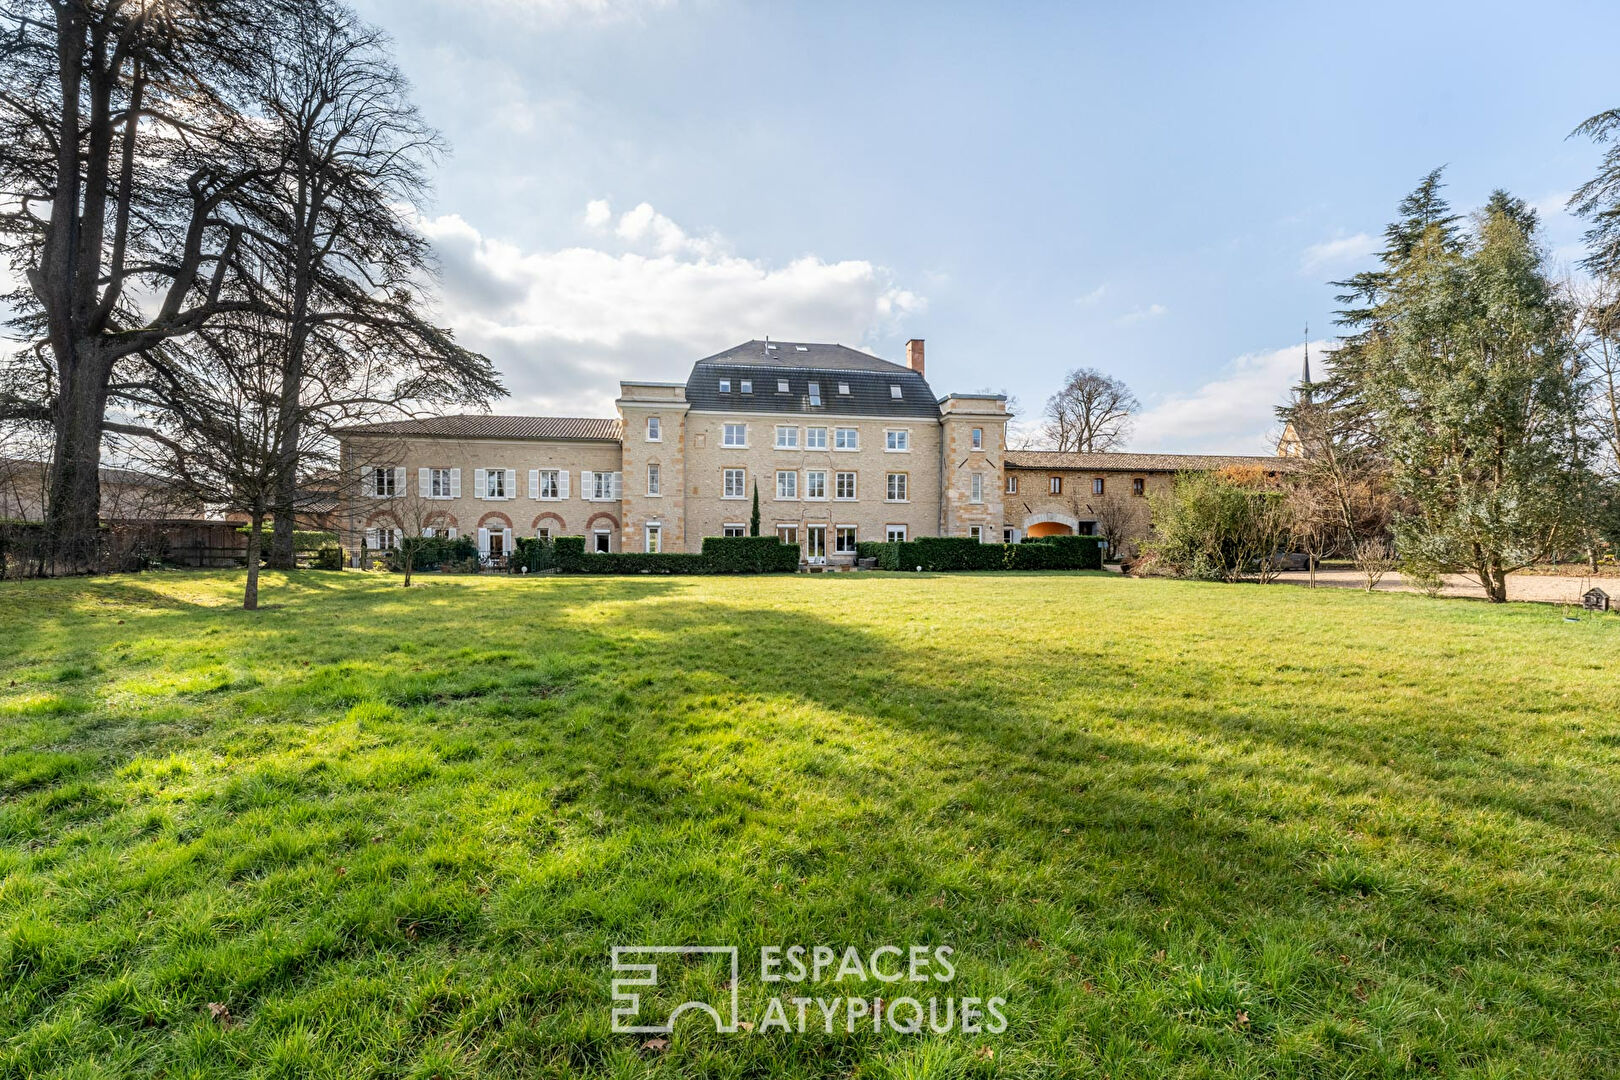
753, 519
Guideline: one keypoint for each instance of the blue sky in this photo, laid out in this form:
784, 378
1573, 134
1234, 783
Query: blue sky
1159, 191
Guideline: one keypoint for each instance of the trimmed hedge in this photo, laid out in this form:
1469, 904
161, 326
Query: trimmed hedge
720, 555
328, 558
303, 540
949, 554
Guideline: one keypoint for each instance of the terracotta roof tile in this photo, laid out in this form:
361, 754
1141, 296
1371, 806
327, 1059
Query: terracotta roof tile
1112, 461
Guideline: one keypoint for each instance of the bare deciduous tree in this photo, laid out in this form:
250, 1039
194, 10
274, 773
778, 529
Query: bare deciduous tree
1091, 413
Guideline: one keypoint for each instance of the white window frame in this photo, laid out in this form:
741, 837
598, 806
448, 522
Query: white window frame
976, 532
787, 484
843, 388
551, 478
853, 436
977, 438
787, 436
725, 386
1012, 484
378, 474
437, 490
813, 479
655, 429
747, 386
1099, 486
904, 486
741, 476
895, 392
1054, 485
815, 394
604, 487
654, 481
781, 386
897, 440
894, 534
727, 430
838, 539
728, 529
815, 438
854, 485
494, 478
976, 488
653, 536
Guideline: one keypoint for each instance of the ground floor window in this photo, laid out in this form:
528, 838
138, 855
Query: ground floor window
788, 534
844, 540
734, 529
383, 539
655, 538
976, 532
1006, 536
894, 533
603, 542
543, 532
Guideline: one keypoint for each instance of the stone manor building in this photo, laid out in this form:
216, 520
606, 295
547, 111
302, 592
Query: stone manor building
840, 445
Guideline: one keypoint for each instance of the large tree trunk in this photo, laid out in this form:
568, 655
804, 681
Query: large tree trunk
250, 595
73, 500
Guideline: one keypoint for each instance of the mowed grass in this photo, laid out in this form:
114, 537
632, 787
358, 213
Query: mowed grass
1185, 830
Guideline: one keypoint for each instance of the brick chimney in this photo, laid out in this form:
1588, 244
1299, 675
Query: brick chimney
914, 355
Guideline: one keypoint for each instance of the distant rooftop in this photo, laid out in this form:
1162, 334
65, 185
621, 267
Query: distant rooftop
1110, 461
804, 354
486, 426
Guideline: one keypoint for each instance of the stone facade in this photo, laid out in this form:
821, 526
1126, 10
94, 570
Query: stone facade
843, 447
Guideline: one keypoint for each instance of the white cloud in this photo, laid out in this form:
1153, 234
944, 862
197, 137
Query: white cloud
1339, 250
1092, 298
598, 213
1232, 413
1143, 314
565, 326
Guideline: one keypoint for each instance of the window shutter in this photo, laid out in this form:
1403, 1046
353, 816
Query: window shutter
534, 483
562, 481
483, 541
478, 483
399, 480
368, 482
371, 539
511, 483
587, 490
455, 483
618, 486
423, 487
506, 542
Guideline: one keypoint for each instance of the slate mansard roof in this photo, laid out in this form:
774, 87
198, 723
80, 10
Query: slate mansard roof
767, 364
485, 426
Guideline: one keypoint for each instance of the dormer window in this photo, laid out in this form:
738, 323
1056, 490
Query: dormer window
815, 393
843, 388
748, 386
725, 386
781, 386
894, 392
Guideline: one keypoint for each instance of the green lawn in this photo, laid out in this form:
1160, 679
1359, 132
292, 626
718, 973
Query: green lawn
1183, 829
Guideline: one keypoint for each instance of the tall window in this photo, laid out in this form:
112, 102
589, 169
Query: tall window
602, 486
655, 429
655, 538
815, 393
495, 484
897, 440
734, 435
815, 438
550, 485
1012, 485
787, 485
844, 485
1138, 486
1097, 485
439, 483
1055, 485
653, 480
787, 437
978, 438
976, 488
815, 484
844, 540
382, 482
893, 533
976, 533
896, 491
846, 438
735, 481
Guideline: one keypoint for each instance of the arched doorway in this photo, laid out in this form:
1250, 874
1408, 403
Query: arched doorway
1048, 528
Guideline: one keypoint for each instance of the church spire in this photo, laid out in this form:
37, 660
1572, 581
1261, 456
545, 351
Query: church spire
1305, 379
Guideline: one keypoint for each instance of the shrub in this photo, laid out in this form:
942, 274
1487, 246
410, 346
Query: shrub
952, 554
1077, 552
303, 540
1217, 528
533, 554
328, 558
749, 555
569, 551
432, 552
645, 562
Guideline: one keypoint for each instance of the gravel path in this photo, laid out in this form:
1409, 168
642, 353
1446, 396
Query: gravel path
1542, 588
